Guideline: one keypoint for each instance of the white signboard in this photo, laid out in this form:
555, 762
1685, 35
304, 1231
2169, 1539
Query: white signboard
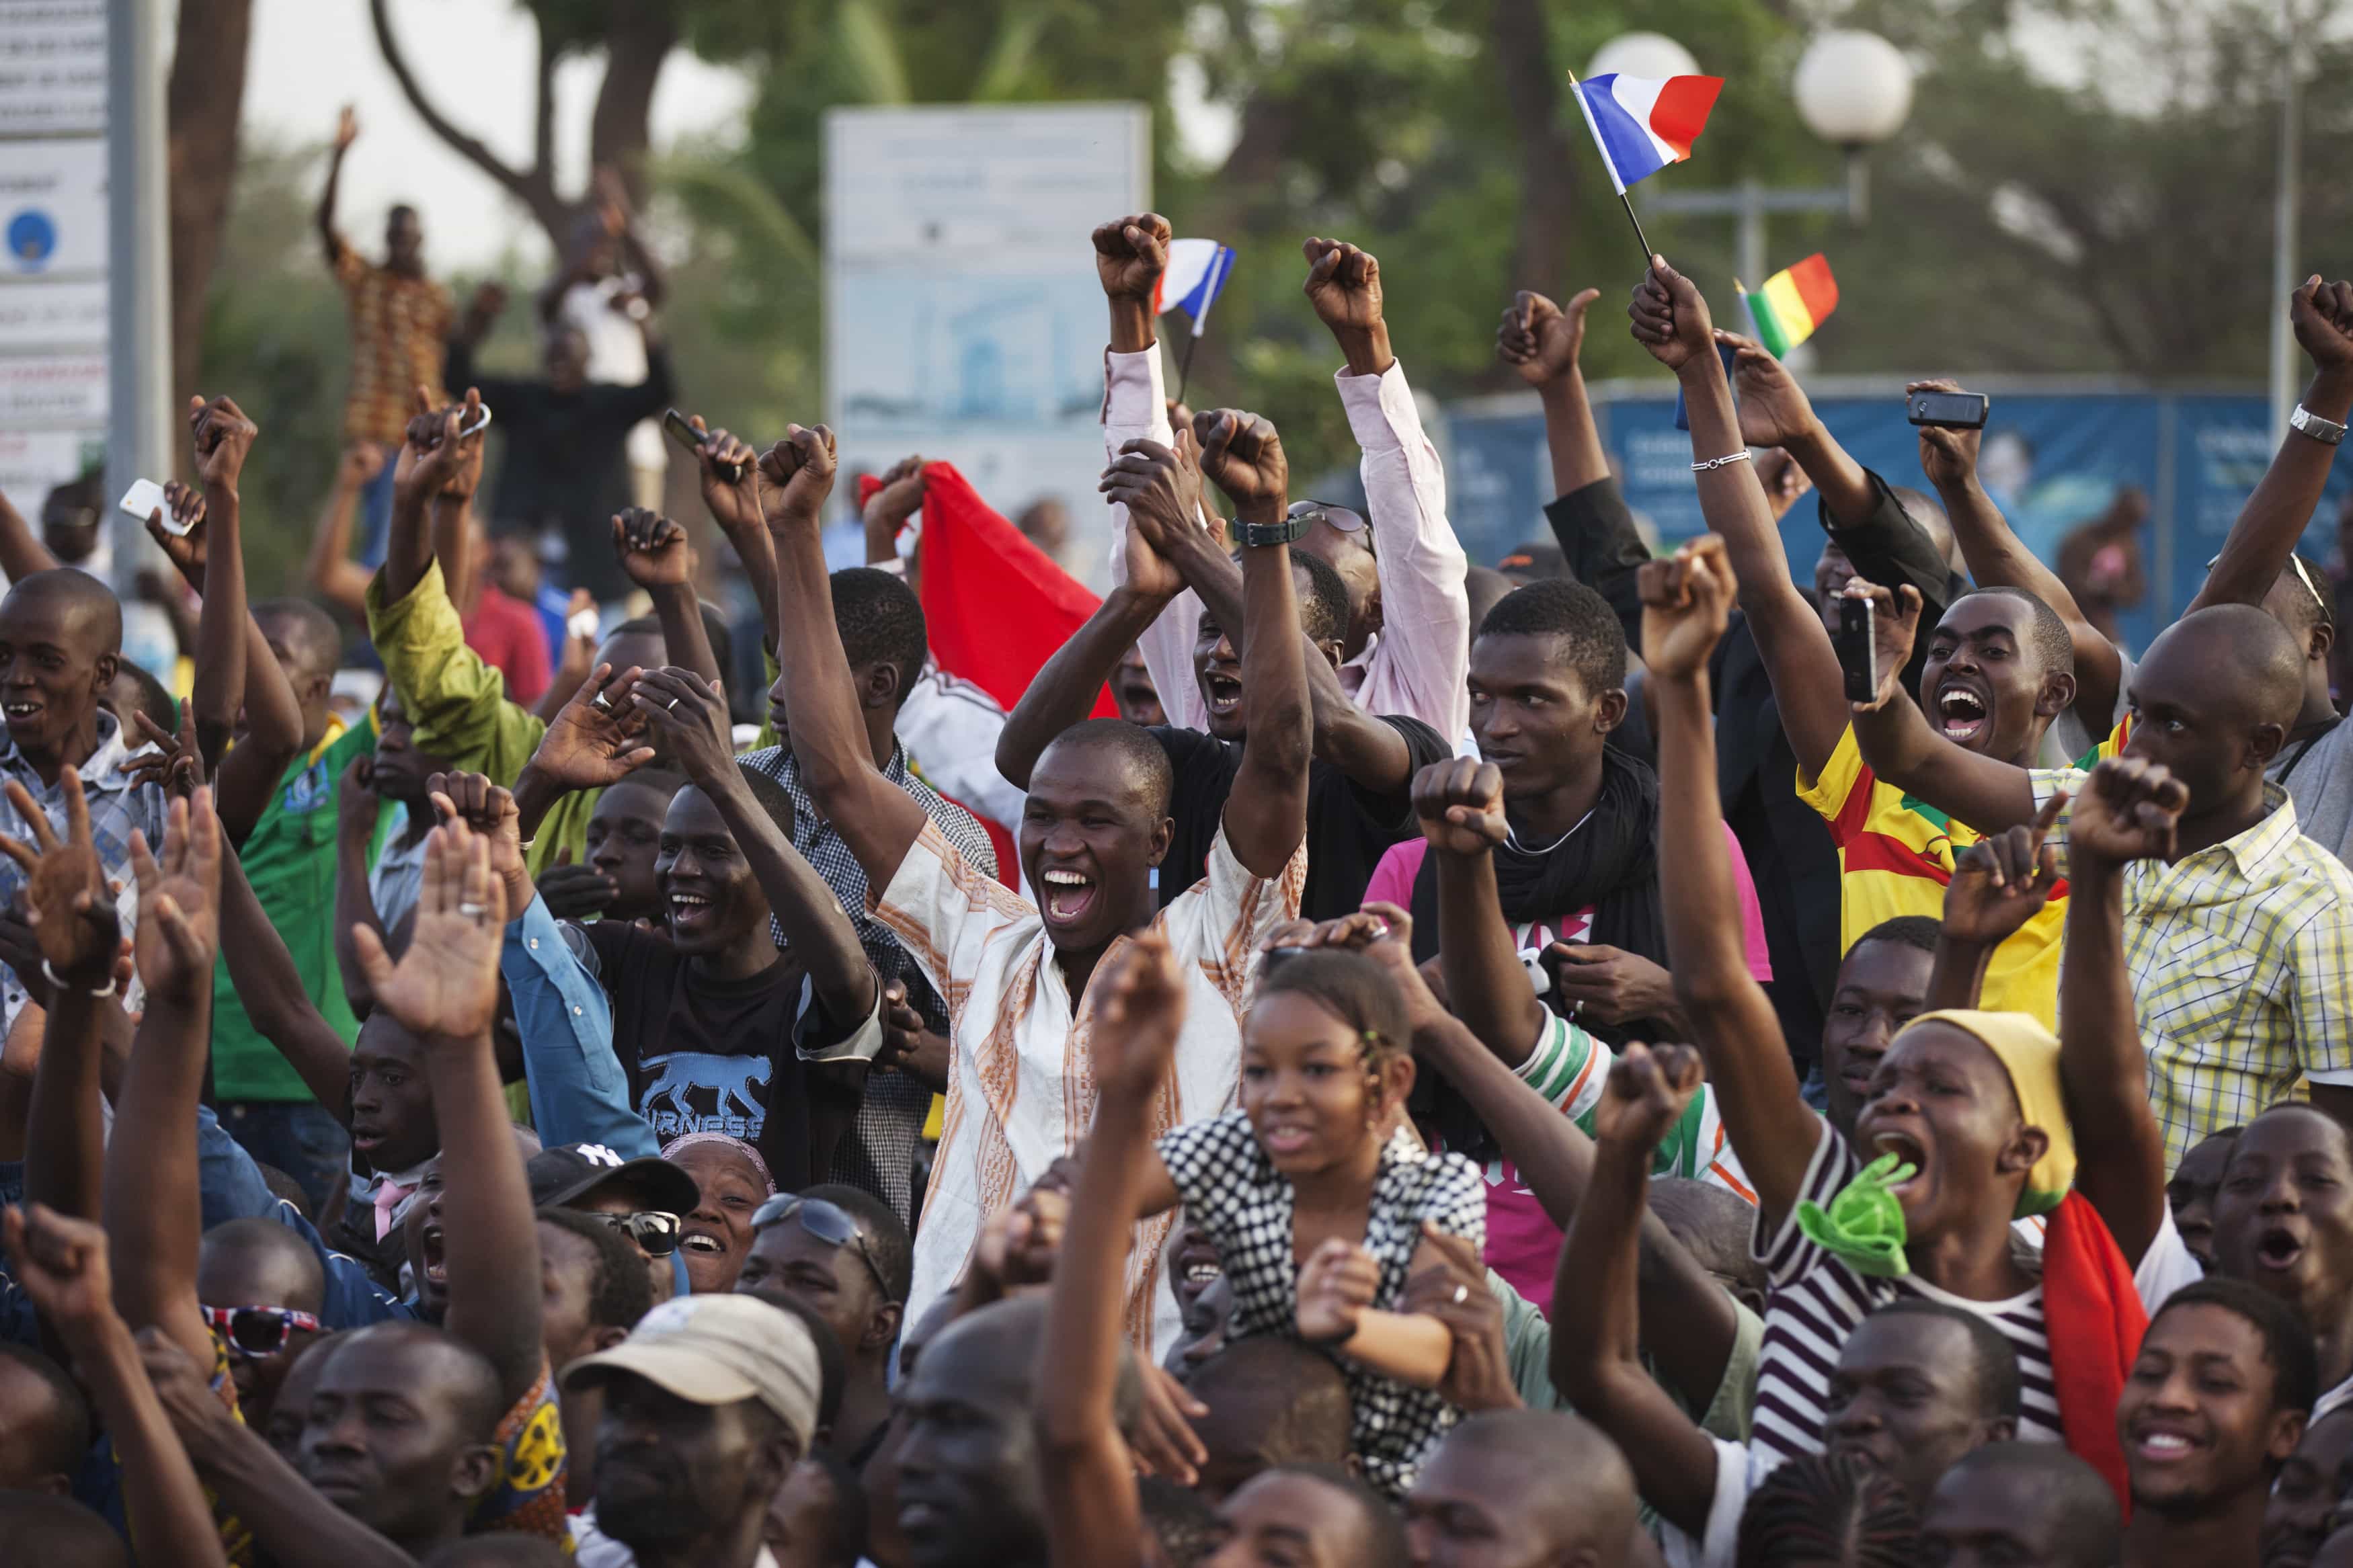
33, 462
54, 389
53, 207
963, 315
52, 68
48, 315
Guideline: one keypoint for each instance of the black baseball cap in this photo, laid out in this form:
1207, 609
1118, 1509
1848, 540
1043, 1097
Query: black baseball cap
571, 1170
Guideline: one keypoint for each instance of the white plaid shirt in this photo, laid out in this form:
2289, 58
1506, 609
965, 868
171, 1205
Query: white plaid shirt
2239, 956
117, 803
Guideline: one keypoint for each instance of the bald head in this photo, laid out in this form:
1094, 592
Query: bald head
2250, 649
257, 1262
2033, 1502
304, 636
1142, 760
1272, 1401
58, 1532
1545, 1480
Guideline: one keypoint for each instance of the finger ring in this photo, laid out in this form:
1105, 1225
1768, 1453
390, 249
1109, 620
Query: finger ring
1379, 928
601, 701
1573, 1005
671, 707
1462, 1294
472, 912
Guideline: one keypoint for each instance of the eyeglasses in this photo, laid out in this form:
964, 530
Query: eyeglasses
1341, 518
259, 1332
827, 1221
2303, 575
655, 1231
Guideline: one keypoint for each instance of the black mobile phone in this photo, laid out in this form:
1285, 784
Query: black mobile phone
1858, 652
1951, 410
681, 430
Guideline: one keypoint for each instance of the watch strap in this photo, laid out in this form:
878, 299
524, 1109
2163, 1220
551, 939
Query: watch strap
1290, 531
2328, 432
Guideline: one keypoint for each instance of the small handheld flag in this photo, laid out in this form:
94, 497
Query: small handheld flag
1196, 274
1640, 125
1643, 125
1793, 302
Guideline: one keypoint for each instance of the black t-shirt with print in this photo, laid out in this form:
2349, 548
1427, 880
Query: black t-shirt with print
711, 1056
1348, 826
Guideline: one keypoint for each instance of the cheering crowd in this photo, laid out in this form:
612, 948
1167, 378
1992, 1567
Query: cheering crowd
1589, 1062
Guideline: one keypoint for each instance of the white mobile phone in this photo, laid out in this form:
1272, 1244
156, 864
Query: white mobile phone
478, 427
145, 499
582, 625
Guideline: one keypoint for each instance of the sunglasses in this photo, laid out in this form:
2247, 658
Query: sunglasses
259, 1332
655, 1231
827, 1221
2303, 575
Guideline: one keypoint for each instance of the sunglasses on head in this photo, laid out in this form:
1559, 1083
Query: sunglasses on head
2303, 575
655, 1231
827, 1221
255, 1332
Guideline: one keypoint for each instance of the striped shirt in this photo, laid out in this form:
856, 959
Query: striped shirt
2241, 956
1817, 1301
1021, 1090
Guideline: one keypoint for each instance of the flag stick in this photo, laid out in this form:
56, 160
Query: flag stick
1623, 200
1185, 364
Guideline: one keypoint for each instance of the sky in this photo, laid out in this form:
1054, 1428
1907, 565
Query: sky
475, 59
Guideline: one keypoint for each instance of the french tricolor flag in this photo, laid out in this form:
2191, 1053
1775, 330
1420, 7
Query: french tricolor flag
1196, 271
1642, 125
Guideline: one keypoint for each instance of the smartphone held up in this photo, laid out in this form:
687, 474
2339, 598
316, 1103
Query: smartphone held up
1858, 649
1948, 410
681, 430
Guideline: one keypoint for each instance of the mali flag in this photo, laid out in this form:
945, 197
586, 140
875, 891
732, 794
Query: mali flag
1793, 303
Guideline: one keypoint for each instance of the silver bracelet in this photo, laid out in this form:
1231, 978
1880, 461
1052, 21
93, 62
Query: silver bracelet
1742, 456
63, 984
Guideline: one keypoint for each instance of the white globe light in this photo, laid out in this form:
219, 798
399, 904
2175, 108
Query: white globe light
1651, 55
1854, 88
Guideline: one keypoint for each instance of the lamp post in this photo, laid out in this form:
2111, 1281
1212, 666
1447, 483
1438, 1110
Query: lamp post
1852, 89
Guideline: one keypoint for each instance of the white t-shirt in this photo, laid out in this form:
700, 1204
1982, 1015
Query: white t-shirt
591, 1548
617, 353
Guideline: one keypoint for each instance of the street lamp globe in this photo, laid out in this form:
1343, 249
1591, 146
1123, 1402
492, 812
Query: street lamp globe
1853, 88
1651, 55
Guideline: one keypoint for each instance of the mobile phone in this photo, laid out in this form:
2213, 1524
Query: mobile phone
682, 431
145, 499
582, 625
1949, 410
1858, 651
480, 423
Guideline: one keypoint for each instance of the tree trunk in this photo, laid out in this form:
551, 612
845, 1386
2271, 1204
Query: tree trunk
638, 38
1547, 159
204, 99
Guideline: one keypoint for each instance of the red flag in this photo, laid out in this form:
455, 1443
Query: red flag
997, 607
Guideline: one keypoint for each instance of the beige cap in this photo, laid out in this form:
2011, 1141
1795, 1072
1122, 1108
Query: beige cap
718, 1350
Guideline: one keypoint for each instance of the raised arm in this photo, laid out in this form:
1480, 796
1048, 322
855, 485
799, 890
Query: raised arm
1160, 488
263, 974
2127, 812
153, 1218
1998, 884
1997, 558
329, 566
1685, 603
62, 1263
1063, 690
432, 457
444, 990
656, 556
22, 554
1596, 1328
1131, 253
1459, 805
347, 131
1670, 319
2256, 549
734, 505
1900, 747
357, 808
876, 818
1266, 811
1093, 1519
1420, 563
73, 923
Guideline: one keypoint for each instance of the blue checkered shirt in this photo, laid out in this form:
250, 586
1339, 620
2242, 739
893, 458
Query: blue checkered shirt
117, 803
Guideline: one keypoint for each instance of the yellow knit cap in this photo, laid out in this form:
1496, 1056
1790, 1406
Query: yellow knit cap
2030, 1052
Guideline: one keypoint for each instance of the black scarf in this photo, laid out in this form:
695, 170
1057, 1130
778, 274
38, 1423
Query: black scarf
1610, 861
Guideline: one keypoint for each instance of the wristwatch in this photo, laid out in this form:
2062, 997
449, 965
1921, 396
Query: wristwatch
1290, 531
2328, 432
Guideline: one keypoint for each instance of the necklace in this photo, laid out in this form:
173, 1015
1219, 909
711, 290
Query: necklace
1511, 837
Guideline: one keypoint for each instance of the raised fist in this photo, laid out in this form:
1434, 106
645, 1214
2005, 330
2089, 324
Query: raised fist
1686, 603
1540, 339
1242, 453
797, 474
654, 550
347, 128
223, 436
1130, 255
1459, 805
1344, 284
1669, 317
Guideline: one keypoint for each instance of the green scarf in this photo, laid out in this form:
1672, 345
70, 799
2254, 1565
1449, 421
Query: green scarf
1863, 1227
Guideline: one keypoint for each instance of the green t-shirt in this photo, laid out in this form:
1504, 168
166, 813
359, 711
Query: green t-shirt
1527, 1345
289, 858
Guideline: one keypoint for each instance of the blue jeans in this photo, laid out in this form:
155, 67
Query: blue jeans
375, 511
299, 1137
